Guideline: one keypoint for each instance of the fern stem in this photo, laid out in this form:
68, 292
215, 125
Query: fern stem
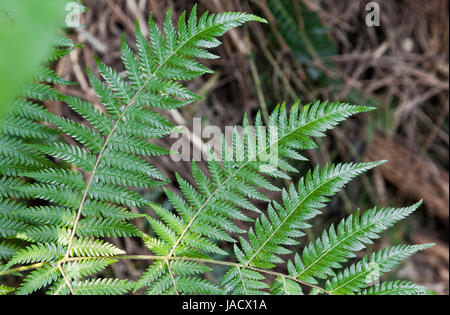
242, 280
206, 261
66, 280
285, 286
20, 269
171, 276
166, 258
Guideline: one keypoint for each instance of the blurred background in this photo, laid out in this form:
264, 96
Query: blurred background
316, 50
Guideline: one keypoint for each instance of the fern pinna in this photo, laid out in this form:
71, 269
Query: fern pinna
60, 201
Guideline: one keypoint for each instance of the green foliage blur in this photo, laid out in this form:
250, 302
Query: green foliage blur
27, 29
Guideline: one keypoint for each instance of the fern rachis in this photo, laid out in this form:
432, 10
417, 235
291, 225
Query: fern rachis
56, 212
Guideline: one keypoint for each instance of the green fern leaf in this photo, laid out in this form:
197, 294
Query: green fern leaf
4, 290
396, 288
359, 276
7, 250
106, 228
94, 248
336, 246
241, 281
268, 236
283, 286
38, 279
58, 201
83, 268
38, 253
102, 287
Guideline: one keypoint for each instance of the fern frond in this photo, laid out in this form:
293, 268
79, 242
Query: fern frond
57, 194
45, 215
7, 250
106, 228
153, 272
116, 194
270, 234
38, 253
283, 286
16, 149
45, 234
127, 162
86, 247
86, 267
70, 179
360, 275
59, 201
69, 153
102, 287
32, 111
4, 290
47, 75
38, 279
241, 281
193, 285
24, 128
95, 209
76, 270
7, 186
10, 227
237, 181
11, 167
337, 245
180, 279
396, 288
40, 92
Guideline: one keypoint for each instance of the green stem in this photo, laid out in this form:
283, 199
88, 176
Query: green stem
174, 258
20, 269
